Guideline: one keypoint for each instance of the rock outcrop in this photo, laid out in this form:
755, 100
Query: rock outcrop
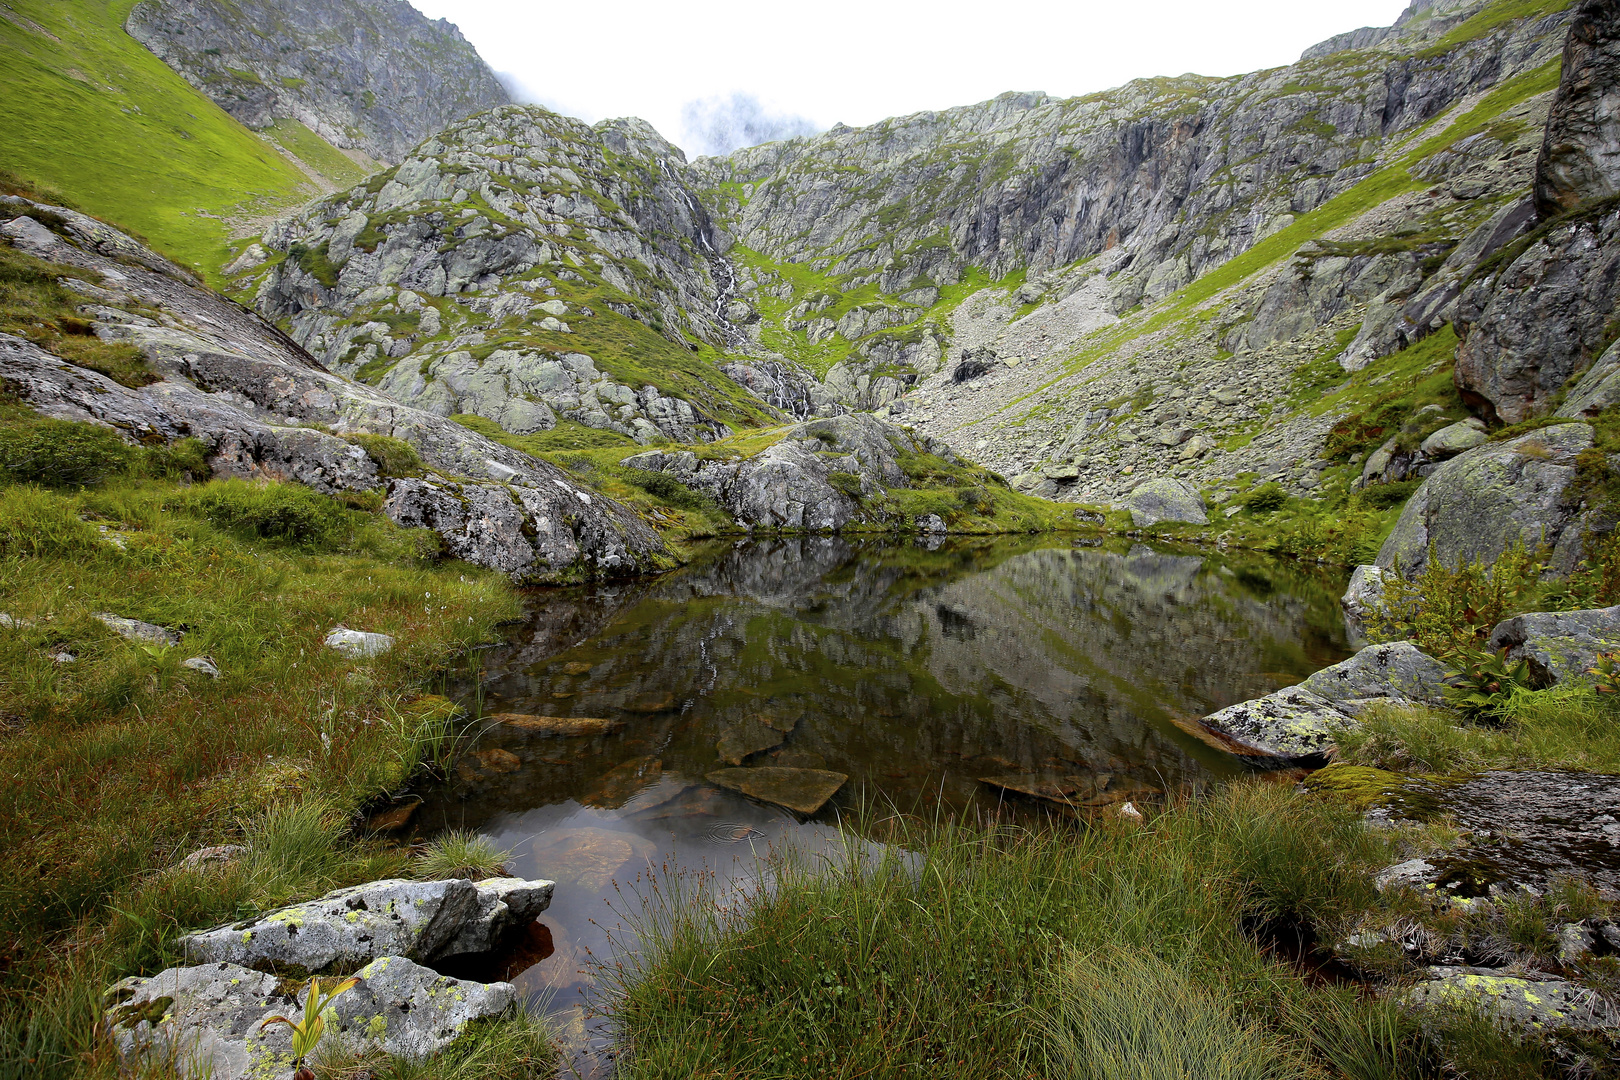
1482, 502
1580, 153
263, 408
814, 478
1559, 646
530, 269
374, 75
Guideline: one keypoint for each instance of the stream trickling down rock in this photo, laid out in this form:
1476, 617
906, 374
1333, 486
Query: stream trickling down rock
916, 672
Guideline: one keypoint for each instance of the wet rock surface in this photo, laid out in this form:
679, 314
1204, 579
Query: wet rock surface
1524, 828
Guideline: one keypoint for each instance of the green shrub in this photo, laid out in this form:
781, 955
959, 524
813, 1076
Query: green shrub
61, 453
665, 488
393, 457
286, 513
1384, 496
846, 482
1265, 498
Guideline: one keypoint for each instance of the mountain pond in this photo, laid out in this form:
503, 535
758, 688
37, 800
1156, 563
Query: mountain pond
918, 669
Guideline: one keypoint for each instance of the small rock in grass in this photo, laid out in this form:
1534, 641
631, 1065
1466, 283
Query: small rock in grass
208, 856
202, 665
135, 630
11, 622
64, 657
358, 643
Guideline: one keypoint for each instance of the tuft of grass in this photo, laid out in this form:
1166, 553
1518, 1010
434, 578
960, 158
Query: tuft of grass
460, 853
1129, 1015
34, 304
941, 951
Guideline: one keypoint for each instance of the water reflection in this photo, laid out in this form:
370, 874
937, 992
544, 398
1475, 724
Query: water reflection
914, 672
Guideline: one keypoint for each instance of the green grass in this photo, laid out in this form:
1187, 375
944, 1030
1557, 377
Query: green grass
1567, 727
121, 761
1493, 16
336, 166
460, 854
953, 951
98, 117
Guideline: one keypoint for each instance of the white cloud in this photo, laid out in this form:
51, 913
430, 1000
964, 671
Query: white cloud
719, 125
858, 61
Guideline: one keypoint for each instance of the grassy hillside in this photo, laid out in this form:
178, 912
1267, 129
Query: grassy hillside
90, 112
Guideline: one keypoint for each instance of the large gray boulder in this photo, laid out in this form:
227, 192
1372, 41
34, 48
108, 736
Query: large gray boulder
420, 920
1166, 499
209, 1020
1580, 149
1482, 502
1396, 672
1294, 724
1559, 645
1596, 389
1363, 599
808, 480
1300, 723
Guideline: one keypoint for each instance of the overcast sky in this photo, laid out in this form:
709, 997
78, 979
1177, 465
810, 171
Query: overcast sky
713, 74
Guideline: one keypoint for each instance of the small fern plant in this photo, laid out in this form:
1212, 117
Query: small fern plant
1485, 680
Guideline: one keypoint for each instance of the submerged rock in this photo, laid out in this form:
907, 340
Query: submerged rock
210, 1019
419, 920
746, 739
1559, 645
803, 791
557, 725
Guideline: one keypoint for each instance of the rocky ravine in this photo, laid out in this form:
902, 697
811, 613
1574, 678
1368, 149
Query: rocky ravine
371, 75
263, 407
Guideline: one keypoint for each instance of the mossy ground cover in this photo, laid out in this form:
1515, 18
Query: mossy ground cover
121, 760
978, 950
90, 112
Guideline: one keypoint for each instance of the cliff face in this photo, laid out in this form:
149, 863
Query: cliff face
370, 75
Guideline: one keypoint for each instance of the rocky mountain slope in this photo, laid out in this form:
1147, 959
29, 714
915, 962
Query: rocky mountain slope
371, 75
263, 408
1204, 278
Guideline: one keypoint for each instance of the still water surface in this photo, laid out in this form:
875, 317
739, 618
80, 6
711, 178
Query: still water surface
914, 672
